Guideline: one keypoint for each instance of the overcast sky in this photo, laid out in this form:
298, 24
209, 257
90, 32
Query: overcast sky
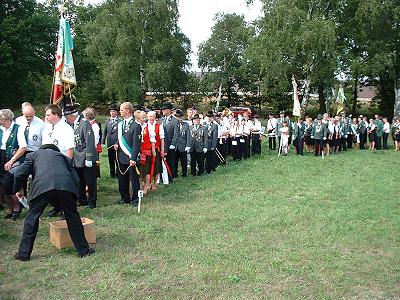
197, 18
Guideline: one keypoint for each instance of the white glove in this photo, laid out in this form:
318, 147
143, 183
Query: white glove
88, 163
324, 138
187, 149
172, 147
345, 136
204, 150
312, 136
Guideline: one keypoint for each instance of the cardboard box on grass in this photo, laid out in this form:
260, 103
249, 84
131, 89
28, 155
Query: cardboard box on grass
59, 234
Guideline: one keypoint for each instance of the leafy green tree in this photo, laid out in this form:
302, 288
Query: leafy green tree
379, 26
295, 38
222, 54
138, 46
28, 38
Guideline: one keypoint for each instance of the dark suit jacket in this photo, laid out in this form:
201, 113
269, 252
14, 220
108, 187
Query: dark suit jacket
299, 131
171, 131
184, 137
85, 148
212, 136
199, 138
51, 170
110, 132
133, 137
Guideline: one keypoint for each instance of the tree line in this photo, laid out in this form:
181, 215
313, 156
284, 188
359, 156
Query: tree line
124, 49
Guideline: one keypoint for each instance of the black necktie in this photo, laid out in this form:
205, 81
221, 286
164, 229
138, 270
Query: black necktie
26, 132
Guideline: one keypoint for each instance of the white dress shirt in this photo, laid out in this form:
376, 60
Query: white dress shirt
386, 127
34, 138
60, 134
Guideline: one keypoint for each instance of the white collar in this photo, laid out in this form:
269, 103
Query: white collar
127, 120
76, 122
9, 128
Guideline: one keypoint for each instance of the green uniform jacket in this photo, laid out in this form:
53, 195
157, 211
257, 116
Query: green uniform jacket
379, 128
318, 131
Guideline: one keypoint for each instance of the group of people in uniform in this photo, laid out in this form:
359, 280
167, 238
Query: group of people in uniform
145, 148
329, 135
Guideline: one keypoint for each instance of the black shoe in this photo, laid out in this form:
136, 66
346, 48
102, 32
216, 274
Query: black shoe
184, 175
135, 203
62, 216
21, 258
90, 252
91, 206
53, 213
120, 201
15, 215
82, 203
1, 207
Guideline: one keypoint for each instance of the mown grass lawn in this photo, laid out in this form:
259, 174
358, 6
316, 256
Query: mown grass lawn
288, 227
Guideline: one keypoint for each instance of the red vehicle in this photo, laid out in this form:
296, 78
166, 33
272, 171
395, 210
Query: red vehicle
237, 110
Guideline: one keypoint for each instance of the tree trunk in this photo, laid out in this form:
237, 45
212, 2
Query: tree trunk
396, 111
306, 96
355, 96
321, 98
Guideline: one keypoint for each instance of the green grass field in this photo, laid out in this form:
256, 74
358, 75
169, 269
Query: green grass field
289, 227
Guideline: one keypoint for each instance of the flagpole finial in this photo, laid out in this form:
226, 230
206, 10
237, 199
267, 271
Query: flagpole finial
62, 9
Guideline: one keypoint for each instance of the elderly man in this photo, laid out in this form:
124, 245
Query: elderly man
32, 126
170, 124
12, 149
198, 145
182, 143
49, 184
85, 156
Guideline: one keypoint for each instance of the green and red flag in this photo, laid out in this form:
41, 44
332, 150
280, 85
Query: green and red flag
64, 80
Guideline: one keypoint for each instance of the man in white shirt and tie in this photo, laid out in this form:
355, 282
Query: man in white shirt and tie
32, 127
